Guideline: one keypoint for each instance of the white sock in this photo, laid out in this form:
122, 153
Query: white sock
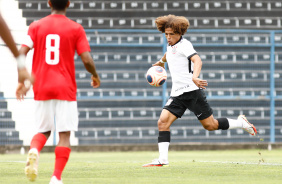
234, 123
163, 150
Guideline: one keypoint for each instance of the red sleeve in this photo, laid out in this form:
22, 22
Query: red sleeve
30, 37
82, 44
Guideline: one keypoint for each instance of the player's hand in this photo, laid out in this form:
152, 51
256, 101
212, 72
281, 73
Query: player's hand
200, 83
95, 81
159, 64
22, 90
23, 75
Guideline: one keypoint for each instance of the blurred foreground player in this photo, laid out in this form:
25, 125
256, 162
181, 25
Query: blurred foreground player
6, 36
55, 38
187, 89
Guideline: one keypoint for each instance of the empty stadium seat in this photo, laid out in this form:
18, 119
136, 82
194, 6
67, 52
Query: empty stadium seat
206, 22
92, 5
216, 6
134, 5
197, 5
157, 5
242, 6
112, 5
177, 5
101, 22
227, 22
259, 5
248, 23
276, 5
29, 5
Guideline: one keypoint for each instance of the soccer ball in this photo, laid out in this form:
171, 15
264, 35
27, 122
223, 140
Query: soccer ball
156, 76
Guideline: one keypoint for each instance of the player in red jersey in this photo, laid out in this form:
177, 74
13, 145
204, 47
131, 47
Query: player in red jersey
55, 39
6, 35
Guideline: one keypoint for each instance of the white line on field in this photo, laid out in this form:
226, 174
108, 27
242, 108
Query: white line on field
247, 163
8, 161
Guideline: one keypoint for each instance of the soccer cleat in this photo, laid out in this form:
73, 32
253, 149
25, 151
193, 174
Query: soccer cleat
32, 164
156, 163
247, 126
54, 180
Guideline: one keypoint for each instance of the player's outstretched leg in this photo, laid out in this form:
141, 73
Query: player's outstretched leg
32, 164
156, 163
247, 126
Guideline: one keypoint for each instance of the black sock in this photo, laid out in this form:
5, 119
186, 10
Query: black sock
164, 136
223, 124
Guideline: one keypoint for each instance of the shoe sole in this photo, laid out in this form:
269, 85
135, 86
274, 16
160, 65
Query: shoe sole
254, 128
31, 170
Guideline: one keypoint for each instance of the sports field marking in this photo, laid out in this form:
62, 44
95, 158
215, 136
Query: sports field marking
246, 163
8, 161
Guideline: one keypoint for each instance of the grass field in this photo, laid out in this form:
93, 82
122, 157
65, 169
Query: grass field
199, 167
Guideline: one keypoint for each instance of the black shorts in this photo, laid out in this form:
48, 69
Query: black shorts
195, 101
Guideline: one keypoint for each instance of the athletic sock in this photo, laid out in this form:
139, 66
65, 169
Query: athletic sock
223, 124
163, 144
62, 156
38, 141
163, 151
226, 123
234, 123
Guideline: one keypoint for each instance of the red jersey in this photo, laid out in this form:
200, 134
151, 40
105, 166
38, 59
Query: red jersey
55, 39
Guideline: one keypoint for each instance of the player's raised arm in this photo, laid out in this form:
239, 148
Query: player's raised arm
161, 61
90, 67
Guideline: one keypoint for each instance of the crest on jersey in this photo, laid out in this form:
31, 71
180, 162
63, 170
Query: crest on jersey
173, 49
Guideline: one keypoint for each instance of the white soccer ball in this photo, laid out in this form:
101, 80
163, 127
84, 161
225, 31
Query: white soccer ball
156, 76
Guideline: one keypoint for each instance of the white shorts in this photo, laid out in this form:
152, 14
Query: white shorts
59, 114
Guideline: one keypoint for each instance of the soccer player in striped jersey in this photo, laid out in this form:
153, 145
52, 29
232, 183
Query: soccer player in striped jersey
55, 38
187, 88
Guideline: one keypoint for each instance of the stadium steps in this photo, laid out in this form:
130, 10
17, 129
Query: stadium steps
178, 134
202, 14
8, 134
7, 124
3, 104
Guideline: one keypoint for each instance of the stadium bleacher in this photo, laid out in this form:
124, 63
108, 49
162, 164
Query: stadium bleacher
202, 14
125, 109
8, 134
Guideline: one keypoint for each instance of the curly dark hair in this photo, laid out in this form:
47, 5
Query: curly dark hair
178, 24
59, 4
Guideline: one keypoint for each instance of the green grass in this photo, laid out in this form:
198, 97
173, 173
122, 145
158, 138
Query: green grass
199, 167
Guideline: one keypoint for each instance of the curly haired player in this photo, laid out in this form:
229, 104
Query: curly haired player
187, 89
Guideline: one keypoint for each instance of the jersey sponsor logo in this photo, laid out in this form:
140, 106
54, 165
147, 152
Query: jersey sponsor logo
181, 88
